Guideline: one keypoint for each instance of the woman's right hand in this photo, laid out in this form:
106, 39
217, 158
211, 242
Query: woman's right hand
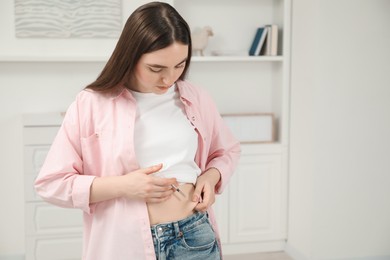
139, 184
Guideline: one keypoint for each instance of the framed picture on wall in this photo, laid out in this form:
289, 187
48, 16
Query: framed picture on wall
56, 30
57, 19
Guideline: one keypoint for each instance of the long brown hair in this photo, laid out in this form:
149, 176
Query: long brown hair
149, 28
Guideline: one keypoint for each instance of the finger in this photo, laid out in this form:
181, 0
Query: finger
161, 194
166, 182
159, 191
157, 196
157, 186
206, 195
202, 207
209, 196
152, 169
197, 193
204, 203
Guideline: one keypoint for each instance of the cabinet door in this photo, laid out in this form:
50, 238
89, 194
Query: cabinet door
58, 247
45, 219
256, 201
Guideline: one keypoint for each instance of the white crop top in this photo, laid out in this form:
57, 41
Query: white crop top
163, 134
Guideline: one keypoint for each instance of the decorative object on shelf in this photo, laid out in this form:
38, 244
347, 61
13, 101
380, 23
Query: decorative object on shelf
200, 39
265, 41
68, 19
252, 128
271, 46
258, 41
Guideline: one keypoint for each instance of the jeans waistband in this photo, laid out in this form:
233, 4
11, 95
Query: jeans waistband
177, 228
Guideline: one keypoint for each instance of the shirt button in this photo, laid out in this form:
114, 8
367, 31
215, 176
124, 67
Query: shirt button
193, 118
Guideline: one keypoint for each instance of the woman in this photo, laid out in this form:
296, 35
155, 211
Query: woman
142, 151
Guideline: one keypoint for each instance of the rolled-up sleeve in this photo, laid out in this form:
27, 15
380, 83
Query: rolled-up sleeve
223, 148
61, 180
224, 153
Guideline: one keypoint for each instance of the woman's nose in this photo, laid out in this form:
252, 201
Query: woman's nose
169, 78
166, 81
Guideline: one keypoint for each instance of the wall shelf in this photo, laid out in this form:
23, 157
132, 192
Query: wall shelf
236, 58
31, 58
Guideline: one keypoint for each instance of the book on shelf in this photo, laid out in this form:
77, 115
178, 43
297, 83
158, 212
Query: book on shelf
271, 45
258, 41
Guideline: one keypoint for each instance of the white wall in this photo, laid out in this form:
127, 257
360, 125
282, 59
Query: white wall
340, 120
340, 125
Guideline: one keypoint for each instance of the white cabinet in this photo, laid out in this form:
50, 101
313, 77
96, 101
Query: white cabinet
252, 211
255, 198
51, 232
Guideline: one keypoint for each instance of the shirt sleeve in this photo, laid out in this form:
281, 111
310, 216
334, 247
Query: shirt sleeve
61, 181
224, 149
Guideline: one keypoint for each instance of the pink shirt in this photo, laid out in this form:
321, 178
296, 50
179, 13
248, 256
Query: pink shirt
96, 139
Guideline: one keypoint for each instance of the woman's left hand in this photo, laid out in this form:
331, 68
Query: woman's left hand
205, 189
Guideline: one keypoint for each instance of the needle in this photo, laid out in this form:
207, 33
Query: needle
178, 190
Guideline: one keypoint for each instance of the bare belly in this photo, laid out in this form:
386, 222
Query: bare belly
175, 208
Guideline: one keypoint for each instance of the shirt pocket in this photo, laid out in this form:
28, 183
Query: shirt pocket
95, 153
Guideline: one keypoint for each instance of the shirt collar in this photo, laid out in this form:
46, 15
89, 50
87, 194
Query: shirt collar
122, 91
184, 92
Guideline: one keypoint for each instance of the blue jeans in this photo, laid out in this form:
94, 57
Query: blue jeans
191, 238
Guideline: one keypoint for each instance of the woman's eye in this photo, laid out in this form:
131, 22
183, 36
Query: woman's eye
156, 70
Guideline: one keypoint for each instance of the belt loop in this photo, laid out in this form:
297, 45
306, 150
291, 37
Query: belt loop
176, 227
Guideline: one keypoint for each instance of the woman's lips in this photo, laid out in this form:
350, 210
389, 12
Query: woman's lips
163, 87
